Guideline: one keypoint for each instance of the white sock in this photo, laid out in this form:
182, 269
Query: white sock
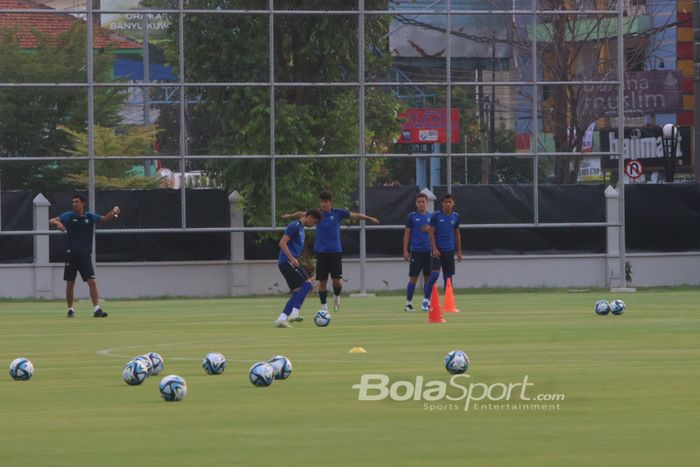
97, 307
408, 302
282, 317
71, 309
295, 312
324, 306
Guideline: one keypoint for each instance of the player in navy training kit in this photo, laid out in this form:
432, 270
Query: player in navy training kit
291, 247
80, 226
417, 250
329, 253
445, 239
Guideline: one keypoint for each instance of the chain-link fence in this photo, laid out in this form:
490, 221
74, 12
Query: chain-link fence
278, 100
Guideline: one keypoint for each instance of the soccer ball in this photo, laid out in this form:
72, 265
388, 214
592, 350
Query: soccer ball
173, 388
214, 363
146, 362
21, 369
456, 362
282, 366
262, 374
135, 372
322, 318
617, 307
157, 362
602, 307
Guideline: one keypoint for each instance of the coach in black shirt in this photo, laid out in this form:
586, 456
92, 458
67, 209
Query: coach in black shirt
80, 226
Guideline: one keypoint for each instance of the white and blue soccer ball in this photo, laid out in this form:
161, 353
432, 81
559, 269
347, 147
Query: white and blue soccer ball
173, 388
617, 307
457, 362
602, 307
322, 318
146, 362
135, 372
262, 374
157, 362
21, 369
214, 363
282, 366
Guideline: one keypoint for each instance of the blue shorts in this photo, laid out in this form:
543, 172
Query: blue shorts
295, 277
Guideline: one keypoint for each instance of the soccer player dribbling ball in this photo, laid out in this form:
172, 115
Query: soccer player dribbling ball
80, 227
329, 252
291, 246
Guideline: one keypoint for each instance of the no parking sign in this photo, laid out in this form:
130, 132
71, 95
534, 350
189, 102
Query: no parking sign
633, 169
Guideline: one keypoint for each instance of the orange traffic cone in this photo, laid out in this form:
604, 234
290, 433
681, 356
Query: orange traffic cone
450, 306
435, 315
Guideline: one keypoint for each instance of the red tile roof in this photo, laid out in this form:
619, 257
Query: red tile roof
53, 24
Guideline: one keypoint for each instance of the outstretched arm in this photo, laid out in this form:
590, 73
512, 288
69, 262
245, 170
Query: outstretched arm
111, 214
364, 217
297, 214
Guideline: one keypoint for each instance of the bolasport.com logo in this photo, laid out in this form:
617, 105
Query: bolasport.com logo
459, 393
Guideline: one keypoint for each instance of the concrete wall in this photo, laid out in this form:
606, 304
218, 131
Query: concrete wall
42, 279
214, 278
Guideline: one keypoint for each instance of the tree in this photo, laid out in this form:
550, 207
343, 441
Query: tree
576, 47
113, 173
309, 120
30, 118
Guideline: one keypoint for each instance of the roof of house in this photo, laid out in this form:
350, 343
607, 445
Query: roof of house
53, 23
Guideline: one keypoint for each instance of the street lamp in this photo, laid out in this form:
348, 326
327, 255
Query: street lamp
669, 141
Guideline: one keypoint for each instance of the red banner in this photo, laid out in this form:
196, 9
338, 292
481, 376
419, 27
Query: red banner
422, 126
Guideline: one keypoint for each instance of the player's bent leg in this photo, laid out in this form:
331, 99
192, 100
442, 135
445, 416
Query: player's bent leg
298, 298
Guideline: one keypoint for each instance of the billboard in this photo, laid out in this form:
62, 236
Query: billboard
644, 144
423, 126
646, 93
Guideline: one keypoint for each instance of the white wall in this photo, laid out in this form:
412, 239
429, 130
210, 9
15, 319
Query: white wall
224, 278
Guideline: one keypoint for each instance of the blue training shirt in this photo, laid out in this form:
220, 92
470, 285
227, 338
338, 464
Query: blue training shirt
420, 241
328, 231
295, 232
80, 230
445, 226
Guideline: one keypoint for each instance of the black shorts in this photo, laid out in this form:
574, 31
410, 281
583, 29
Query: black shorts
447, 261
422, 261
329, 263
295, 277
78, 263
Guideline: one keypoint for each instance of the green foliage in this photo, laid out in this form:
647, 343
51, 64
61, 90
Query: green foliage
309, 120
30, 118
113, 173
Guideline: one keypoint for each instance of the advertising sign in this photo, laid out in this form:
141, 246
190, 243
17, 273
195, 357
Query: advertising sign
422, 126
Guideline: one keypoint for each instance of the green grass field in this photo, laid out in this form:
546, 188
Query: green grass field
630, 383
